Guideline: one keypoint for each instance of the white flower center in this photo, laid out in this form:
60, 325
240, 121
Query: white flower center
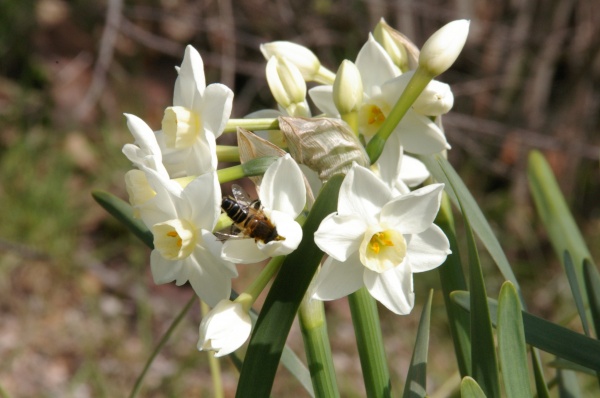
181, 127
174, 239
371, 116
382, 250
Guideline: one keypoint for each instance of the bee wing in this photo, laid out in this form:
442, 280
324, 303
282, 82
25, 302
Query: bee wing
240, 195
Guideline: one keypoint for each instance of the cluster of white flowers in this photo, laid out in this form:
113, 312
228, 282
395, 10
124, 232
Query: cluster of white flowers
382, 231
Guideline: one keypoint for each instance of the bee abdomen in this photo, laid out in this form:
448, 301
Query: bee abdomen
234, 210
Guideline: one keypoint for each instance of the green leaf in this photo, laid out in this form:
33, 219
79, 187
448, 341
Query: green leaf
511, 344
443, 171
470, 389
282, 302
568, 385
576, 291
592, 287
452, 278
554, 213
548, 336
416, 380
483, 351
123, 212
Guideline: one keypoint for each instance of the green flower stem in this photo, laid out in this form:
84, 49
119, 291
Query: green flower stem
324, 76
213, 363
253, 167
160, 345
352, 120
415, 87
258, 285
226, 153
316, 345
370, 344
251, 124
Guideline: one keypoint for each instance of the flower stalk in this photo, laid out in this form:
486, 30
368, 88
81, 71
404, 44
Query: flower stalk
318, 350
415, 87
370, 343
251, 124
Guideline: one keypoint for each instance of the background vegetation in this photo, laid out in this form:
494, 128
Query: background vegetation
79, 313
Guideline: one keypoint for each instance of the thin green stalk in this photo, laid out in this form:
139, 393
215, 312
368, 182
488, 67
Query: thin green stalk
160, 345
352, 120
253, 167
317, 348
370, 344
228, 153
251, 124
415, 87
213, 363
259, 283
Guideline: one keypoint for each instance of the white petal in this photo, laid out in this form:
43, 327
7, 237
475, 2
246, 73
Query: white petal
338, 279
242, 251
414, 212
143, 135
392, 288
203, 155
163, 270
225, 328
340, 236
390, 160
412, 171
287, 228
203, 196
363, 194
419, 135
322, 96
209, 277
216, 108
428, 249
282, 187
191, 82
375, 66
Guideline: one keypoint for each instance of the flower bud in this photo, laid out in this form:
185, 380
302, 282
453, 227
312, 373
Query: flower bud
347, 88
400, 48
285, 81
443, 47
305, 60
225, 328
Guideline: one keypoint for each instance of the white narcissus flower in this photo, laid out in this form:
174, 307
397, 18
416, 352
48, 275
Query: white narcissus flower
186, 144
378, 241
197, 117
283, 195
225, 328
181, 221
417, 133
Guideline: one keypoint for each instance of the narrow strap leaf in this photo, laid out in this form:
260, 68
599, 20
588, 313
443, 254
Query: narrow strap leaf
576, 291
416, 380
548, 336
470, 389
512, 348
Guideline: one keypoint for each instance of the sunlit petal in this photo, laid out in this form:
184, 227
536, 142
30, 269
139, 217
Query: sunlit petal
414, 212
428, 249
392, 289
338, 279
340, 236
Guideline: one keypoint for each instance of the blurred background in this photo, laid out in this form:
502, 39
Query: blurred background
79, 313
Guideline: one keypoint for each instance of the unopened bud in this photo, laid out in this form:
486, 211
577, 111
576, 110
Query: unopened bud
400, 48
285, 81
347, 88
305, 60
443, 47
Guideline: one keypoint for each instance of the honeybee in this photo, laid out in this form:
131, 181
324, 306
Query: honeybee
248, 216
